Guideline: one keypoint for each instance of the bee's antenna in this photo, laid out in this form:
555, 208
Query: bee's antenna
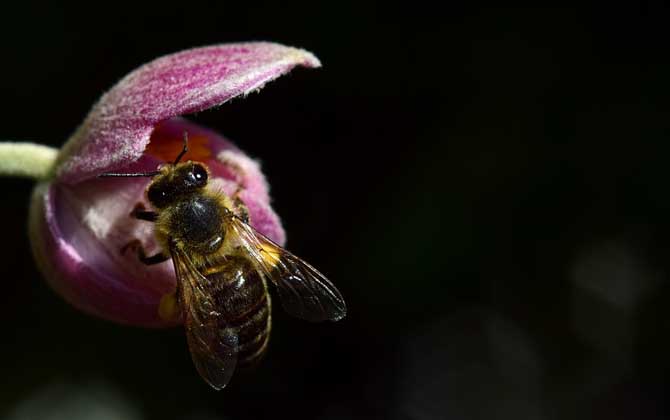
132, 175
184, 150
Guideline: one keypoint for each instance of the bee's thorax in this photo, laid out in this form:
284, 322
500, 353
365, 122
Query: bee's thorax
196, 223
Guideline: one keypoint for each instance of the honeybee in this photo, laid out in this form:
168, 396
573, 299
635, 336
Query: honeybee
223, 266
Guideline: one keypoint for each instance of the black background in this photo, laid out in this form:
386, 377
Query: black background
487, 187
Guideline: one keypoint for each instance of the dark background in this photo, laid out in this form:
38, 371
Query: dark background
488, 187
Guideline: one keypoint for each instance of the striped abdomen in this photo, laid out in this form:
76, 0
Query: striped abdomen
241, 295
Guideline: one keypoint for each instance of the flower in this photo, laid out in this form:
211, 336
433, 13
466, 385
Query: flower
79, 222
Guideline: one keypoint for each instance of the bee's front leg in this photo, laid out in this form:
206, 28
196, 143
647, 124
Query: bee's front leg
240, 209
140, 213
136, 246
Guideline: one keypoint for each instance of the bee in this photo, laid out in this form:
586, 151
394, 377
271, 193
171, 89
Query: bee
223, 267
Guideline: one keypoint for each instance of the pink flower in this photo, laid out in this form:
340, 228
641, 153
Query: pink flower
79, 222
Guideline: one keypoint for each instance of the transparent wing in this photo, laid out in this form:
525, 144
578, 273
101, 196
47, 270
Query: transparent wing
303, 290
213, 346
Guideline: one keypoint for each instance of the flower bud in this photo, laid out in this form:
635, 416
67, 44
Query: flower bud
79, 223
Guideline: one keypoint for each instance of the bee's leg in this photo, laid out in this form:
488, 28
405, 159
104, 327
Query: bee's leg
240, 208
136, 246
140, 213
154, 259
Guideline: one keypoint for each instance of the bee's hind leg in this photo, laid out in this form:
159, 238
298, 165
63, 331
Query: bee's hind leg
136, 246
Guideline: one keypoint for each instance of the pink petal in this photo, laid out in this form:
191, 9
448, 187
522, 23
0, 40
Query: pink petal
119, 126
84, 273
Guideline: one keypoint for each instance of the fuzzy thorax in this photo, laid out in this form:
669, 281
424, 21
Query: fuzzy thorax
195, 224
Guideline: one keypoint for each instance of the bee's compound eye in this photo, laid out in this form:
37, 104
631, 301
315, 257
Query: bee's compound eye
199, 175
157, 196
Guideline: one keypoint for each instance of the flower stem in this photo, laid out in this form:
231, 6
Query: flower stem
27, 160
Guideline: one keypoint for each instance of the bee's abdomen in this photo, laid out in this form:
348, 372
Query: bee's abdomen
245, 306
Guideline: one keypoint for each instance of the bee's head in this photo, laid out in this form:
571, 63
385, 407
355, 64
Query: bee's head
175, 182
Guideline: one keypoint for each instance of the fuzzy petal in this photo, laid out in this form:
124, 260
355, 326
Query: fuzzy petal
119, 126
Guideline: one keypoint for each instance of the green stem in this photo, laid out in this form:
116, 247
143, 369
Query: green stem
26, 160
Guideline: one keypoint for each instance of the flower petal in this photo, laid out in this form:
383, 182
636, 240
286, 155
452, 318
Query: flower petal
119, 126
79, 268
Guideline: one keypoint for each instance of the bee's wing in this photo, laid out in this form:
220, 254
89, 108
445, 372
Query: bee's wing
213, 346
304, 291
